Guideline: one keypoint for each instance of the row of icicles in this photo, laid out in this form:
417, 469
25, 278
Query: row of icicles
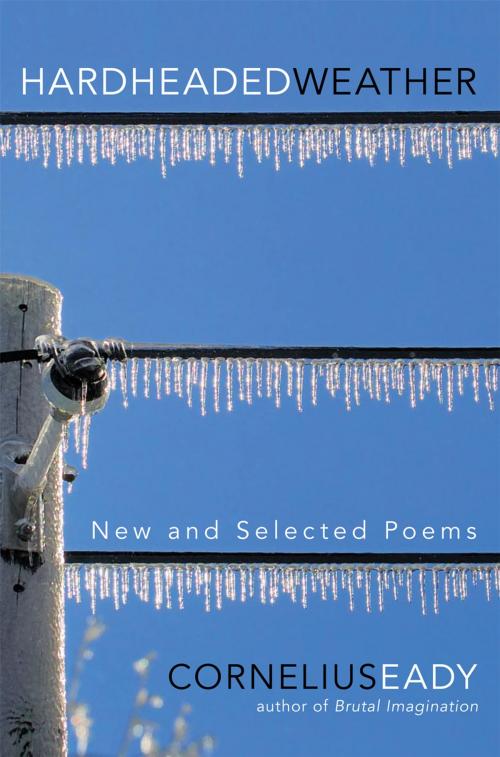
168, 586
67, 144
222, 383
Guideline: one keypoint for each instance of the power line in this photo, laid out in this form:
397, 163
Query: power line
142, 350
39, 118
281, 558
312, 353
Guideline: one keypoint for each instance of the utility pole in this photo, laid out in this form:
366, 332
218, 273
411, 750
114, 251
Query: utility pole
32, 679
35, 408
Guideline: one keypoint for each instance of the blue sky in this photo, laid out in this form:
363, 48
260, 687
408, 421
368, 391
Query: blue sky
339, 254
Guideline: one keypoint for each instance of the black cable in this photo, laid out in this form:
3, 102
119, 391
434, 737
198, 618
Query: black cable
312, 353
144, 350
282, 558
37, 118
14, 356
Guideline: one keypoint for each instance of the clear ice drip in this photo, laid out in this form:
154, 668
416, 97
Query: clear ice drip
208, 383
81, 432
371, 585
64, 145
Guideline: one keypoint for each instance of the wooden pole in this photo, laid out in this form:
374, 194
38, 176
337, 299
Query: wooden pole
32, 682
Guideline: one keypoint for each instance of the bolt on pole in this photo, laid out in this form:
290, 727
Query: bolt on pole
32, 676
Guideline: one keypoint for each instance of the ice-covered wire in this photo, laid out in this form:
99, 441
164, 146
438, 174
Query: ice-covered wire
74, 118
122, 557
223, 376
118, 349
280, 138
171, 580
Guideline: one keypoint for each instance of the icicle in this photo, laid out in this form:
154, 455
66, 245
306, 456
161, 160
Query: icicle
147, 376
460, 378
239, 151
243, 583
385, 379
488, 387
178, 367
91, 586
112, 378
207, 577
475, 381
277, 383
368, 597
347, 385
449, 385
133, 376
299, 383
115, 587
85, 426
409, 584
289, 378
376, 378
421, 581
378, 386
180, 586
435, 586
487, 583
46, 138
124, 383
203, 385
380, 589
229, 383
124, 584
295, 581
316, 143
83, 399
158, 588
218, 587
350, 589
356, 369
158, 378
411, 379
248, 380
167, 372
263, 585
216, 384
314, 384
303, 585
168, 581
189, 382
447, 585
76, 423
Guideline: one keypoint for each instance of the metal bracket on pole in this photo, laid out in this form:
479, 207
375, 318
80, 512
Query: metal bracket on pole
74, 382
21, 521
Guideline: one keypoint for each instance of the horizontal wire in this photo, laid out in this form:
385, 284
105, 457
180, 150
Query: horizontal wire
284, 558
311, 352
16, 356
195, 351
40, 118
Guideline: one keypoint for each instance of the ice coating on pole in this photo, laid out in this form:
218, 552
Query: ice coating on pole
371, 586
210, 385
64, 145
32, 681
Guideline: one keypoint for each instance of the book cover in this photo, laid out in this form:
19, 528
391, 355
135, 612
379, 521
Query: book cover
249, 372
